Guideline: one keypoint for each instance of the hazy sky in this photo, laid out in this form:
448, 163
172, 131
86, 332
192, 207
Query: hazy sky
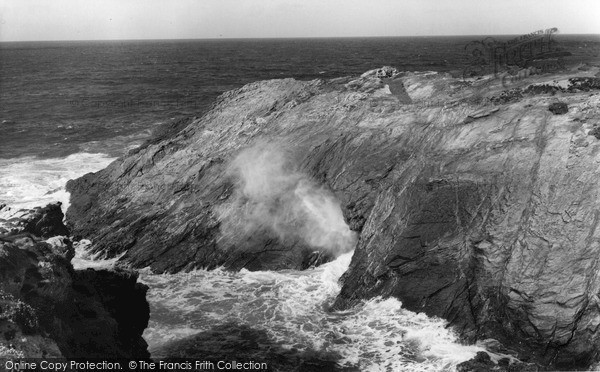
172, 19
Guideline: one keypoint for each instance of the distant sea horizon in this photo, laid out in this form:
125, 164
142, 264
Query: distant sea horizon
289, 38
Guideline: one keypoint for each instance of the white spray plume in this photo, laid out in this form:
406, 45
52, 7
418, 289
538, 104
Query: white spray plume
271, 194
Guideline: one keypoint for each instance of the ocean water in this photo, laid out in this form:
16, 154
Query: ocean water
28, 182
291, 307
288, 310
68, 108
63, 98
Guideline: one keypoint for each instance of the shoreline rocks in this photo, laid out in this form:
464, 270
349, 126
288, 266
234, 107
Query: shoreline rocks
44, 222
489, 223
50, 310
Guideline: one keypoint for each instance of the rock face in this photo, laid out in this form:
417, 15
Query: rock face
472, 200
47, 309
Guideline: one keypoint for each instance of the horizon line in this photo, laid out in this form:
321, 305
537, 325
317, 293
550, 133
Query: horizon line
285, 37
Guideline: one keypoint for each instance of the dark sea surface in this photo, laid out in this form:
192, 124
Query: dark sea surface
61, 98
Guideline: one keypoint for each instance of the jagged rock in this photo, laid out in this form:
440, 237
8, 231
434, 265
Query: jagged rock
62, 246
47, 222
115, 310
480, 363
584, 84
383, 72
537, 89
44, 222
48, 310
558, 108
491, 225
508, 96
315, 259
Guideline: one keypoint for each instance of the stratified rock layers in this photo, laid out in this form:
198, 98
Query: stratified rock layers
490, 222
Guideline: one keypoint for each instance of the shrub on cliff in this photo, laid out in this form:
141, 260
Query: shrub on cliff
17, 312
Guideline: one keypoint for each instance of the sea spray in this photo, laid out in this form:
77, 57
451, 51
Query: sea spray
272, 195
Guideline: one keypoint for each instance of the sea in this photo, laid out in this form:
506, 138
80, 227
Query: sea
71, 107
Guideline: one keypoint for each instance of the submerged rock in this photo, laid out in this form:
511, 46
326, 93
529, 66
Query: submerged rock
483, 363
489, 223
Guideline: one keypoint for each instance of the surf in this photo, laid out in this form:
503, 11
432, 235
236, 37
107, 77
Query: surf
29, 182
292, 308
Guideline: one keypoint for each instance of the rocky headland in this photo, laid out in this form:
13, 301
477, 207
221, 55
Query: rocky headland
50, 310
475, 200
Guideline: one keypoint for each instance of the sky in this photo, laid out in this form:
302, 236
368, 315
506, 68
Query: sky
24, 20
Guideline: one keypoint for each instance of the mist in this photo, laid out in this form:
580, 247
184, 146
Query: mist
272, 194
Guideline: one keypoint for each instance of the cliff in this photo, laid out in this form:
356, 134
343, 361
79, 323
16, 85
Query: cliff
472, 200
49, 310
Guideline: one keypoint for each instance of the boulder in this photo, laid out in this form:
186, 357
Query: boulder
558, 108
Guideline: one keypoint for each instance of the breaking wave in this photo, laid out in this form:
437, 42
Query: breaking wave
291, 306
29, 182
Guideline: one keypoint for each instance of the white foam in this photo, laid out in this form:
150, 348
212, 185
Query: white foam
85, 259
29, 182
378, 335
